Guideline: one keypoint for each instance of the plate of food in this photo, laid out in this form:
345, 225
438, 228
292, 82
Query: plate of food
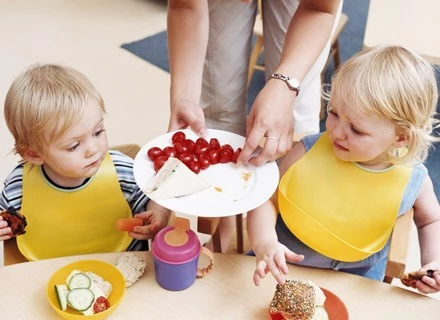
305, 300
86, 289
199, 176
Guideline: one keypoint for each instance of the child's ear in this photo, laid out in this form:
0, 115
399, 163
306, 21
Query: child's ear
402, 139
33, 156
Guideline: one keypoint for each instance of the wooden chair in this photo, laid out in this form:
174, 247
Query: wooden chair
399, 247
334, 52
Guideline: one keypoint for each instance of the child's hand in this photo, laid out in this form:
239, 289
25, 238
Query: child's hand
5, 231
427, 284
272, 258
154, 221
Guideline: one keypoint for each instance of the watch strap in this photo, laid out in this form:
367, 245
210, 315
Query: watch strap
288, 80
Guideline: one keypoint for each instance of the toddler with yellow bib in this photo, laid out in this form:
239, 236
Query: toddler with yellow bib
69, 186
342, 190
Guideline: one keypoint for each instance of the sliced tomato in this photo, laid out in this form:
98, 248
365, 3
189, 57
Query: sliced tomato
101, 304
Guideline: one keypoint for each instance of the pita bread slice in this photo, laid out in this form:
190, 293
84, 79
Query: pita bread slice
174, 179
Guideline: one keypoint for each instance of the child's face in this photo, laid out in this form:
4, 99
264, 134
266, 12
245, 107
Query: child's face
359, 138
79, 152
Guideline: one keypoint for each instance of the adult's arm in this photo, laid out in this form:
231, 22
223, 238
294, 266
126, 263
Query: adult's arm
188, 27
271, 114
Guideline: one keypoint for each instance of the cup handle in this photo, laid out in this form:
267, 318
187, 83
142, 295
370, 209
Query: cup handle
204, 271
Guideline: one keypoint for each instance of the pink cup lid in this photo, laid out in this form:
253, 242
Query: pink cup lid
176, 244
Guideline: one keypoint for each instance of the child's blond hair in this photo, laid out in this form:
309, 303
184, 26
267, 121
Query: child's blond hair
395, 83
43, 102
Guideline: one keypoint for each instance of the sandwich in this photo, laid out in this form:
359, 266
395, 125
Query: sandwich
132, 267
409, 279
174, 180
16, 221
298, 300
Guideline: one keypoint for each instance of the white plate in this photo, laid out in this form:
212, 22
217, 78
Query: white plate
233, 189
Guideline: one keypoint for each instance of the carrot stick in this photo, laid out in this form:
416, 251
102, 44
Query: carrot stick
128, 224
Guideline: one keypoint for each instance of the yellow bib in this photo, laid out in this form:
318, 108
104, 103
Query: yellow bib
72, 222
337, 208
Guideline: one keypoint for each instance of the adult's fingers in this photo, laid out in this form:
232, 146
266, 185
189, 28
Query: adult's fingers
251, 144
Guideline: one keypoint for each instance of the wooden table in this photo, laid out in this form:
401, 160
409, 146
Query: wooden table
226, 293
413, 24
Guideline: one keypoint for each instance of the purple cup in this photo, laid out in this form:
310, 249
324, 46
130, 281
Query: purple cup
175, 266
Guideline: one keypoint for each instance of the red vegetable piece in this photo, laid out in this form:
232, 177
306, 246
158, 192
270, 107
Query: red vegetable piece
236, 154
201, 142
214, 143
190, 144
225, 155
179, 136
181, 147
154, 152
204, 161
186, 157
194, 166
101, 304
227, 147
159, 162
170, 151
215, 156
201, 149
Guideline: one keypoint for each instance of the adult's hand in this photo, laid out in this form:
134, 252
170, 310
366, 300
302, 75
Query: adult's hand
187, 114
271, 116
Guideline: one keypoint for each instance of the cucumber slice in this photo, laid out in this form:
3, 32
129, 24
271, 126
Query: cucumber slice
80, 299
61, 293
79, 280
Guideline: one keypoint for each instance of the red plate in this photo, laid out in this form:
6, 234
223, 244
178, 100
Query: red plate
334, 306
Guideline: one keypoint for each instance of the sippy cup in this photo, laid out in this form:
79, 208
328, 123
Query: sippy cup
176, 251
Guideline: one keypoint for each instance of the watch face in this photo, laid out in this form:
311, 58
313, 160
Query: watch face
293, 82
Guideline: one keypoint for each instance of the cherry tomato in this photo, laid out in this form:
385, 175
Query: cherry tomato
154, 152
199, 149
194, 166
201, 142
227, 147
190, 144
235, 155
186, 157
204, 161
101, 304
214, 143
159, 162
181, 147
170, 151
179, 136
225, 155
215, 156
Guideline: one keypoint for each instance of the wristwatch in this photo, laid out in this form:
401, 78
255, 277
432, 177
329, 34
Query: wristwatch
292, 83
